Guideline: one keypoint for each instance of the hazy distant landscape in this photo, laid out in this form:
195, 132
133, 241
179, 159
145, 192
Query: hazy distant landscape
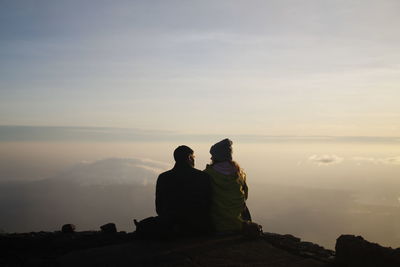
314, 190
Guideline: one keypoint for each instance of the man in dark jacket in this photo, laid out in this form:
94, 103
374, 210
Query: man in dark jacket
183, 195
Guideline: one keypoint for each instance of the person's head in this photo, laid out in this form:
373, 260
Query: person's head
184, 155
221, 151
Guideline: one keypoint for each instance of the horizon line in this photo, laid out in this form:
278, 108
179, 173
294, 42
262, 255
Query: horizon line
103, 133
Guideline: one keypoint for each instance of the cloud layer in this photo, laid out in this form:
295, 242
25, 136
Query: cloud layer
114, 171
327, 159
88, 195
395, 160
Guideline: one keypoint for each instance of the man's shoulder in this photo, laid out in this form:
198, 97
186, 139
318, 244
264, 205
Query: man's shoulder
179, 172
166, 174
200, 173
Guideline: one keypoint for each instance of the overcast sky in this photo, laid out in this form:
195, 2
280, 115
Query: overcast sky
226, 67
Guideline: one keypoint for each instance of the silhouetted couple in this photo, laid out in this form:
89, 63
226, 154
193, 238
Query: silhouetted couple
190, 201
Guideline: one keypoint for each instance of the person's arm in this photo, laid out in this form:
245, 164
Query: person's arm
246, 191
244, 186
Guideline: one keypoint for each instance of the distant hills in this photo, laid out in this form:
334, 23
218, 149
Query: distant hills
85, 194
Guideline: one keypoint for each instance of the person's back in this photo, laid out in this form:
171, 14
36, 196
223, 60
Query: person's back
228, 209
183, 195
228, 203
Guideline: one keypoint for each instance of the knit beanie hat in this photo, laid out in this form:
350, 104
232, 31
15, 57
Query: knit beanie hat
222, 151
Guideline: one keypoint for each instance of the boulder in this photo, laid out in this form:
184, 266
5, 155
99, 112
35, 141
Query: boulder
68, 228
354, 251
109, 228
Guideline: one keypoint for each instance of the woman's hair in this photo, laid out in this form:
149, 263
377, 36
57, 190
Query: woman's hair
239, 171
240, 175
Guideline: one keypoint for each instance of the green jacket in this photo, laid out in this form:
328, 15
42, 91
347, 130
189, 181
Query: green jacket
228, 200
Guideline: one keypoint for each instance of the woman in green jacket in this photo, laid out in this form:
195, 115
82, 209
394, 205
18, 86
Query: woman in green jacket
228, 208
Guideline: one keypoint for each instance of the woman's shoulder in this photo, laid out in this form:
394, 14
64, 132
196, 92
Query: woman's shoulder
210, 169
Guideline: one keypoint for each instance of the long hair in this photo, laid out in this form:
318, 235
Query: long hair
240, 175
239, 171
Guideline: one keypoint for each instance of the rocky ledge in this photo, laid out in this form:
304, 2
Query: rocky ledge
111, 248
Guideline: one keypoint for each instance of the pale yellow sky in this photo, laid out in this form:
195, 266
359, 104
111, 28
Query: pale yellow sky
232, 67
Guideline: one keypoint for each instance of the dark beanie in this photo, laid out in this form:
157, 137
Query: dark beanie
222, 151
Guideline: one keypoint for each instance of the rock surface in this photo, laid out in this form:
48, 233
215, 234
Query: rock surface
102, 248
302, 248
42, 248
122, 249
228, 251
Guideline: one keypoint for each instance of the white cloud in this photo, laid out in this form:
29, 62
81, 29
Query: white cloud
395, 160
161, 164
115, 171
325, 159
391, 160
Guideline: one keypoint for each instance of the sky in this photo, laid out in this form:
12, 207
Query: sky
301, 68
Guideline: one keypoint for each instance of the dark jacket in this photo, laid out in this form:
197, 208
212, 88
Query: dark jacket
183, 198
